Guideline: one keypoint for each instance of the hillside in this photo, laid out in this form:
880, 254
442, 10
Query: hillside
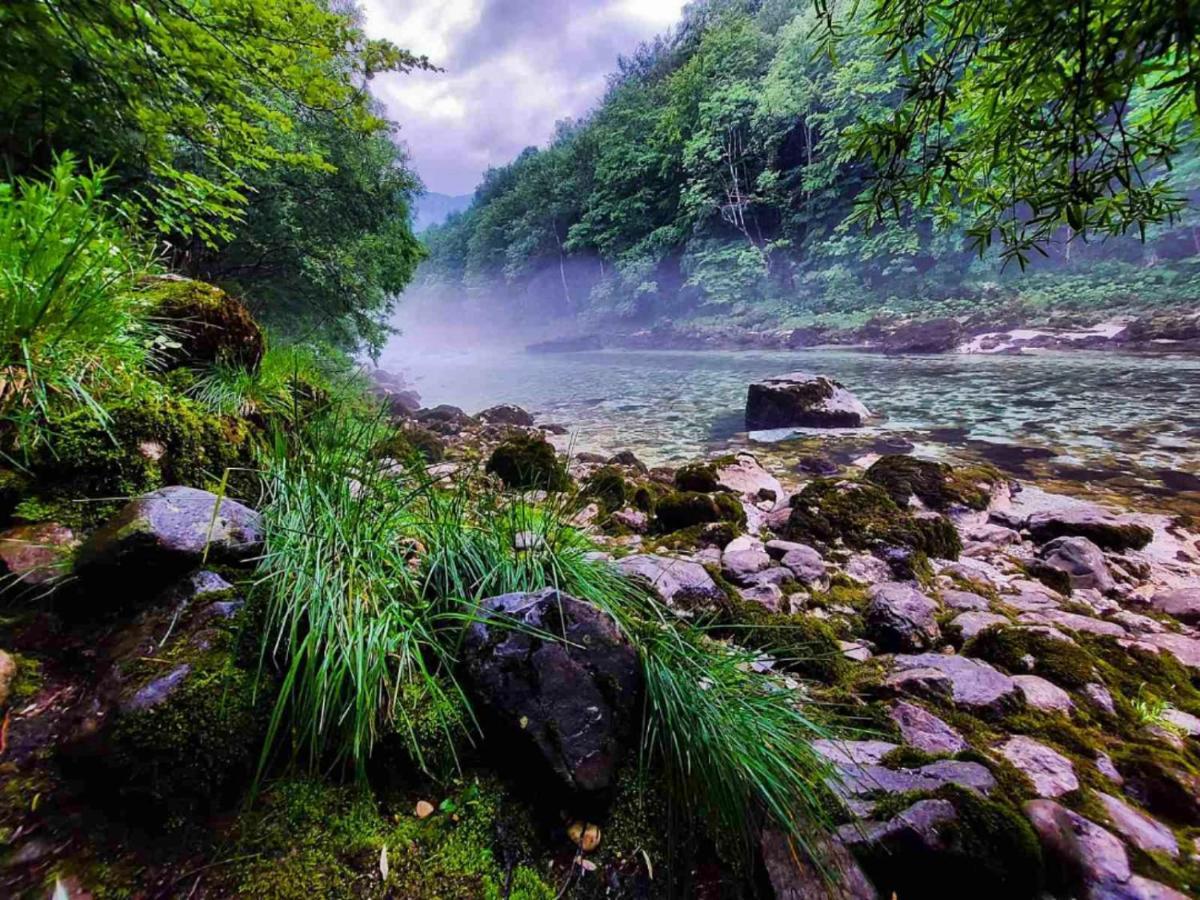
432, 208
724, 178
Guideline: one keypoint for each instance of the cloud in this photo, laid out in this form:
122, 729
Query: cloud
512, 69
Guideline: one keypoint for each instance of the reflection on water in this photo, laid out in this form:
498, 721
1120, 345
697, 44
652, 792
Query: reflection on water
1100, 413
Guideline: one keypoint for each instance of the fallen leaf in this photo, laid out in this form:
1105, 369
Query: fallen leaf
383, 863
424, 809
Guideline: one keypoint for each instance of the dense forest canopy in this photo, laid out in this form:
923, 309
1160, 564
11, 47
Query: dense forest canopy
240, 135
798, 159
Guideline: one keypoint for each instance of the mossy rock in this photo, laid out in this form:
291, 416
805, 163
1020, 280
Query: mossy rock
147, 444
862, 516
409, 442
528, 461
1065, 664
937, 485
608, 487
203, 324
679, 510
802, 643
701, 477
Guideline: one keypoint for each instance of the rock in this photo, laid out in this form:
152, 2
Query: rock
1182, 604
8, 675
1051, 773
35, 555
914, 831
633, 519
768, 596
865, 780
575, 701
1073, 622
924, 730
444, 419
205, 324
1080, 560
1138, 828
1136, 888
395, 393
161, 535
627, 458
794, 876
929, 336
749, 480
678, 583
1104, 765
423, 810
1164, 787
935, 485
969, 683
1183, 648
855, 650
900, 618
577, 344
971, 623
802, 400
1182, 721
1089, 856
528, 462
1041, 694
964, 600
506, 414
744, 556
807, 565
1106, 531
868, 569
817, 465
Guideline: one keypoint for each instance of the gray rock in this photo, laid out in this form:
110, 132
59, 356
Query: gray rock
506, 414
969, 624
1136, 888
1183, 648
1104, 765
767, 595
794, 876
575, 702
862, 753
1091, 523
749, 480
1138, 828
1182, 604
633, 519
964, 601
802, 400
1098, 694
867, 780
1051, 773
969, 683
867, 569
1081, 560
1041, 694
1091, 856
807, 565
1057, 618
925, 731
678, 583
161, 535
917, 829
901, 618
743, 557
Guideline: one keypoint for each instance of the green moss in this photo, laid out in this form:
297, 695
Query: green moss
205, 324
411, 441
28, 680
149, 443
684, 509
13, 486
802, 643
608, 487
909, 758
1055, 579
862, 516
528, 461
1066, 664
701, 477
937, 485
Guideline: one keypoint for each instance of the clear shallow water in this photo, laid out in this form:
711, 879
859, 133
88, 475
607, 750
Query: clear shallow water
1103, 414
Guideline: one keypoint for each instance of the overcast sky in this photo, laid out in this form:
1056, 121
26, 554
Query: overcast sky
512, 69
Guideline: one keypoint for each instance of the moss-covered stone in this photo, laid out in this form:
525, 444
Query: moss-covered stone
608, 487
802, 643
1066, 664
407, 442
148, 443
203, 324
684, 509
701, 477
528, 461
861, 515
937, 485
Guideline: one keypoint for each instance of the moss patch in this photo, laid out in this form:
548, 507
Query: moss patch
700, 477
937, 485
206, 323
684, 509
528, 461
1067, 665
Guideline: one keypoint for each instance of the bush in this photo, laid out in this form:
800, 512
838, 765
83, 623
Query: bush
71, 324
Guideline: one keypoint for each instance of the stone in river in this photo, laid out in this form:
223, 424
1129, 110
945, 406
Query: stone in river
802, 400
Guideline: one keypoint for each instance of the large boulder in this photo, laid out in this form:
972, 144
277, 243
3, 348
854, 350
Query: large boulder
804, 401
528, 461
573, 697
205, 325
506, 414
900, 618
165, 533
1080, 560
929, 336
1107, 531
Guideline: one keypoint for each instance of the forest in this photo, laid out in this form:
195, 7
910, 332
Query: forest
744, 167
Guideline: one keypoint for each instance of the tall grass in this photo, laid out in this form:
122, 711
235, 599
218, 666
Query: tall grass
372, 578
70, 322
281, 384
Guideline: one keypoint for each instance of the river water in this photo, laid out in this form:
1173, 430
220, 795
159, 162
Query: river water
1117, 421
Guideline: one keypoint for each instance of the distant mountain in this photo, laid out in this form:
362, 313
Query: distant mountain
432, 208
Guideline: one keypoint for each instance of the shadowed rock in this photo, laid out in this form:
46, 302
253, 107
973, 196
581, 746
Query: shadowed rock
804, 401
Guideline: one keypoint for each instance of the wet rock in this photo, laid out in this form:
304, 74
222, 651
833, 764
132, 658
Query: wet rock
749, 480
802, 400
161, 535
970, 623
575, 701
1088, 521
935, 485
1088, 856
1042, 694
528, 462
900, 618
743, 557
1138, 828
794, 876
444, 419
628, 459
969, 683
506, 414
1051, 773
964, 601
678, 583
1080, 560
1182, 604
925, 731
34, 555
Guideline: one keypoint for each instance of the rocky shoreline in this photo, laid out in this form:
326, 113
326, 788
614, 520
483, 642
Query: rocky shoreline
1156, 332
1011, 676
